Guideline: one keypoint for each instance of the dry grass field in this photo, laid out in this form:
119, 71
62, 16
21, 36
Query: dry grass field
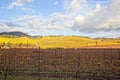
60, 42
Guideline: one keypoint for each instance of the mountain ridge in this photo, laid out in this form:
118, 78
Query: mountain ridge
14, 33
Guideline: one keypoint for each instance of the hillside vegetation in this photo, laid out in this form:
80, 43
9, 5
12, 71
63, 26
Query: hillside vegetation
58, 42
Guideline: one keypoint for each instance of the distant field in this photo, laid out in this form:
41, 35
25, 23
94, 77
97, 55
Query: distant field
59, 42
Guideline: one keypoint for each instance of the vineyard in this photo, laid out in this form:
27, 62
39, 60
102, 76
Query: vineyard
62, 64
41, 59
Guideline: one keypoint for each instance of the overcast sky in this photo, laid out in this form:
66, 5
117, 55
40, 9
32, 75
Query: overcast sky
93, 18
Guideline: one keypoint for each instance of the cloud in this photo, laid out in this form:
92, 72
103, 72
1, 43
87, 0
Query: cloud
4, 27
112, 23
101, 18
25, 18
104, 34
70, 5
78, 15
56, 2
8, 26
18, 3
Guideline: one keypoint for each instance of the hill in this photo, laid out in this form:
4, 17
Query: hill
14, 33
46, 42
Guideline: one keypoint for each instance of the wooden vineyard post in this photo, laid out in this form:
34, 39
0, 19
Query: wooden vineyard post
27, 44
39, 60
39, 67
96, 43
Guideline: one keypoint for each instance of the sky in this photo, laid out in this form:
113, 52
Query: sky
92, 18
